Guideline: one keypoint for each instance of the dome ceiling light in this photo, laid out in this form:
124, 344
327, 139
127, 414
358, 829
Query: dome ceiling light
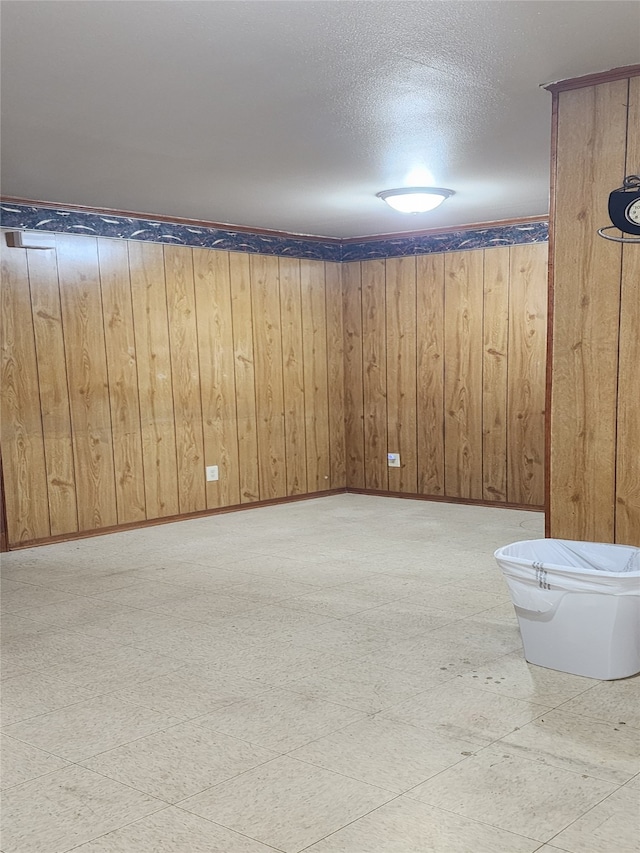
415, 199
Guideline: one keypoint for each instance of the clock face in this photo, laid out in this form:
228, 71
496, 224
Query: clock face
633, 212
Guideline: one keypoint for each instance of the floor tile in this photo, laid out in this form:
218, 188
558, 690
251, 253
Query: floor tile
465, 712
405, 826
298, 804
112, 668
333, 601
580, 744
173, 830
405, 618
203, 606
501, 789
513, 676
83, 730
274, 663
95, 583
178, 763
34, 693
50, 648
364, 686
74, 805
271, 621
145, 594
385, 753
615, 702
26, 597
344, 637
22, 762
279, 719
75, 613
190, 691
613, 824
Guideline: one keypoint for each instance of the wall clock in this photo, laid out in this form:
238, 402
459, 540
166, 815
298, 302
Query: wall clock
624, 210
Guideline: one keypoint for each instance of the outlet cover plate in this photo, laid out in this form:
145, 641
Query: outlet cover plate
212, 473
393, 460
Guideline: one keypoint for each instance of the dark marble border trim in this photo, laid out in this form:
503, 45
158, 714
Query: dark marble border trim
447, 241
33, 218
29, 217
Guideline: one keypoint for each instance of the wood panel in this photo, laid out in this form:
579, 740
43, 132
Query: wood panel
54, 396
217, 375
590, 159
267, 348
314, 333
335, 374
401, 372
293, 376
463, 374
430, 373
496, 356
155, 388
526, 391
23, 455
183, 340
353, 375
88, 381
115, 286
628, 414
245, 377
374, 375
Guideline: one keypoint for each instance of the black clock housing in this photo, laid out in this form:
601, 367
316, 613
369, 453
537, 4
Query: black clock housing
620, 201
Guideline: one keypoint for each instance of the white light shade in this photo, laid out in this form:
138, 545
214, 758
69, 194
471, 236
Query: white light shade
415, 199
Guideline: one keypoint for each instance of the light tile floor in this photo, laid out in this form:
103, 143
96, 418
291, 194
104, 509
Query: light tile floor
338, 675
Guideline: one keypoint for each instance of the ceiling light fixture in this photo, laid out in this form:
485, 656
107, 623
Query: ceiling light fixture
415, 199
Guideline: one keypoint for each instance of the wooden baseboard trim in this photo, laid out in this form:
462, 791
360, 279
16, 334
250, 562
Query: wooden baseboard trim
444, 499
170, 519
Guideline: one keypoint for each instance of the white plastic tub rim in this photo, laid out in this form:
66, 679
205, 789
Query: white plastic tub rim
540, 572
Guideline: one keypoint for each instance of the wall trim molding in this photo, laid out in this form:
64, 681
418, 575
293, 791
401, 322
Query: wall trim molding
205, 513
414, 496
26, 215
610, 76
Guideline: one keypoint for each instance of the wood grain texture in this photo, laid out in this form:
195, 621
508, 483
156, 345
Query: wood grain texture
463, 374
122, 372
353, 374
88, 380
590, 159
267, 349
527, 347
23, 457
430, 373
155, 388
54, 396
374, 374
242, 317
217, 374
628, 414
335, 374
293, 376
144, 373
401, 372
314, 333
496, 357
183, 339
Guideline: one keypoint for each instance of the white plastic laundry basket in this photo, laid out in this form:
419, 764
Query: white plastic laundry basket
577, 603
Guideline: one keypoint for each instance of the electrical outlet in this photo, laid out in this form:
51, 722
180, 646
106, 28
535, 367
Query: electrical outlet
393, 460
212, 473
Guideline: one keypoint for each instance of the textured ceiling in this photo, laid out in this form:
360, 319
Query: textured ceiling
292, 115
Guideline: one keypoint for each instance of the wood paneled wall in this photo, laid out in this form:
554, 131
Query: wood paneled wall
127, 367
444, 363
594, 470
